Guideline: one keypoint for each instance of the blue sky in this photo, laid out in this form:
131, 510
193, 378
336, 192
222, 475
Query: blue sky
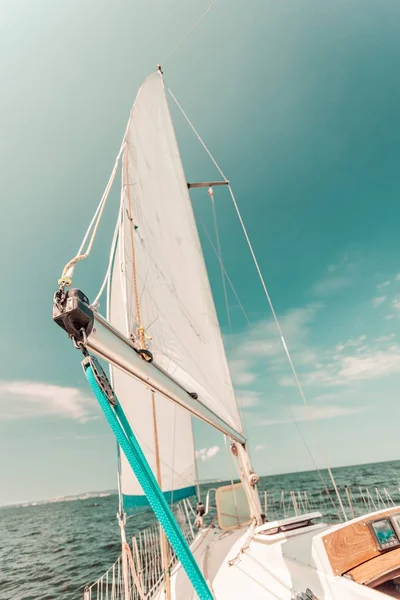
298, 101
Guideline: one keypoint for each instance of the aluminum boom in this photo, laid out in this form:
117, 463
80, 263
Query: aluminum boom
108, 343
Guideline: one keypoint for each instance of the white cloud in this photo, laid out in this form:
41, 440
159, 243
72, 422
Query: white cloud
386, 338
31, 399
262, 347
396, 303
287, 381
317, 413
389, 317
350, 342
207, 453
378, 300
240, 371
294, 325
362, 349
329, 285
257, 347
364, 365
370, 366
337, 276
325, 397
355, 341
304, 356
259, 447
383, 284
75, 436
248, 398
398, 277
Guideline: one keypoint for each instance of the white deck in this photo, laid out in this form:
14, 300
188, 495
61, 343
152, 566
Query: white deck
276, 567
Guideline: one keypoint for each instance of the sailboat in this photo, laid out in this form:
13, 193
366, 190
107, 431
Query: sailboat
162, 341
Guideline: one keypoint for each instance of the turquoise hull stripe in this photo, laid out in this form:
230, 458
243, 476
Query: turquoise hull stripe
126, 438
130, 502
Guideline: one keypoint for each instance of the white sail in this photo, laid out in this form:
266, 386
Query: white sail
159, 282
173, 425
172, 288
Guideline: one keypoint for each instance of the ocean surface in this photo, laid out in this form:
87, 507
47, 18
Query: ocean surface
52, 549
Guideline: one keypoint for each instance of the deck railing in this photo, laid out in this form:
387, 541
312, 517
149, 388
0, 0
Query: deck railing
356, 501
146, 563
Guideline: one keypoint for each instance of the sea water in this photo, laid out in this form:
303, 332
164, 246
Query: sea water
51, 550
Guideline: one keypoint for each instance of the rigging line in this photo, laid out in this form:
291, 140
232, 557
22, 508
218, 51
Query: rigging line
196, 470
140, 330
288, 355
219, 256
263, 284
111, 258
170, 468
163, 538
214, 212
123, 268
251, 328
174, 333
135, 577
94, 223
250, 325
198, 137
183, 38
173, 456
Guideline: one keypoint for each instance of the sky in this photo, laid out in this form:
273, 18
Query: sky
298, 101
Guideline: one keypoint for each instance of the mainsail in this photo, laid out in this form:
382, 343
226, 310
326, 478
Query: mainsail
172, 425
160, 295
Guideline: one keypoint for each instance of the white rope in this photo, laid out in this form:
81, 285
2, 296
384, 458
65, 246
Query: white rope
111, 258
214, 212
94, 224
198, 136
250, 325
288, 355
68, 270
189, 32
223, 277
260, 275
173, 457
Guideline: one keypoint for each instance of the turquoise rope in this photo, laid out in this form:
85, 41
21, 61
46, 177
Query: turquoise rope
138, 462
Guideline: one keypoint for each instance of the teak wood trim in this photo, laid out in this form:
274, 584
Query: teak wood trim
353, 544
377, 569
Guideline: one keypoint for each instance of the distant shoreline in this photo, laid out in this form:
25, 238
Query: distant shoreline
104, 493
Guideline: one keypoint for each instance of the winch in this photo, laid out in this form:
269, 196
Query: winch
72, 312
